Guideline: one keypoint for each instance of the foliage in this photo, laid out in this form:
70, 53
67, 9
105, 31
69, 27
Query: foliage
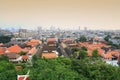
82, 54
53, 69
107, 38
22, 53
7, 71
73, 69
96, 70
5, 39
5, 58
75, 49
61, 68
84, 48
114, 45
82, 39
95, 53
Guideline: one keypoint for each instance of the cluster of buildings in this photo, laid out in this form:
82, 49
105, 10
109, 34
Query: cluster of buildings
14, 52
59, 43
51, 44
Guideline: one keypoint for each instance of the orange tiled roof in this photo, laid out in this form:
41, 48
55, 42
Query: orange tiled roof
51, 40
14, 49
98, 45
32, 51
25, 57
100, 51
68, 40
2, 51
89, 52
26, 49
63, 45
33, 42
49, 55
114, 52
108, 55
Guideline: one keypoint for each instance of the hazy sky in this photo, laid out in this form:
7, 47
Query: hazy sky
94, 14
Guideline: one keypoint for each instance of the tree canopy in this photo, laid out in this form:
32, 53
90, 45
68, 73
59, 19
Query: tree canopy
82, 39
5, 39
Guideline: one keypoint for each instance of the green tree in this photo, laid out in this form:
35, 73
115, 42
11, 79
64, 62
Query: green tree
5, 39
75, 49
82, 54
5, 58
95, 53
22, 53
7, 71
82, 39
107, 38
84, 48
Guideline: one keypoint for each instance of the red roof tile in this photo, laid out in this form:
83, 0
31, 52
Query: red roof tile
26, 49
70, 40
2, 51
25, 57
33, 42
32, 51
14, 49
108, 55
49, 55
89, 52
49, 40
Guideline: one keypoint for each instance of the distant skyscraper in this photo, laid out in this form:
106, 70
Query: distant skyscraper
39, 29
79, 28
22, 33
85, 28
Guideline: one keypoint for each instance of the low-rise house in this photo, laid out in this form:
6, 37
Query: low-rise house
115, 41
26, 49
32, 51
2, 51
68, 41
52, 42
49, 55
33, 42
25, 58
13, 52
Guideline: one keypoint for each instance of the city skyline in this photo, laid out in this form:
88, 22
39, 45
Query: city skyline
64, 14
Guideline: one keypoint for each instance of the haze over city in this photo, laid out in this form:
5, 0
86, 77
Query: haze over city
65, 14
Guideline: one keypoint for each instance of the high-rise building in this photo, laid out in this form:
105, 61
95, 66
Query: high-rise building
85, 28
22, 33
39, 29
79, 28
